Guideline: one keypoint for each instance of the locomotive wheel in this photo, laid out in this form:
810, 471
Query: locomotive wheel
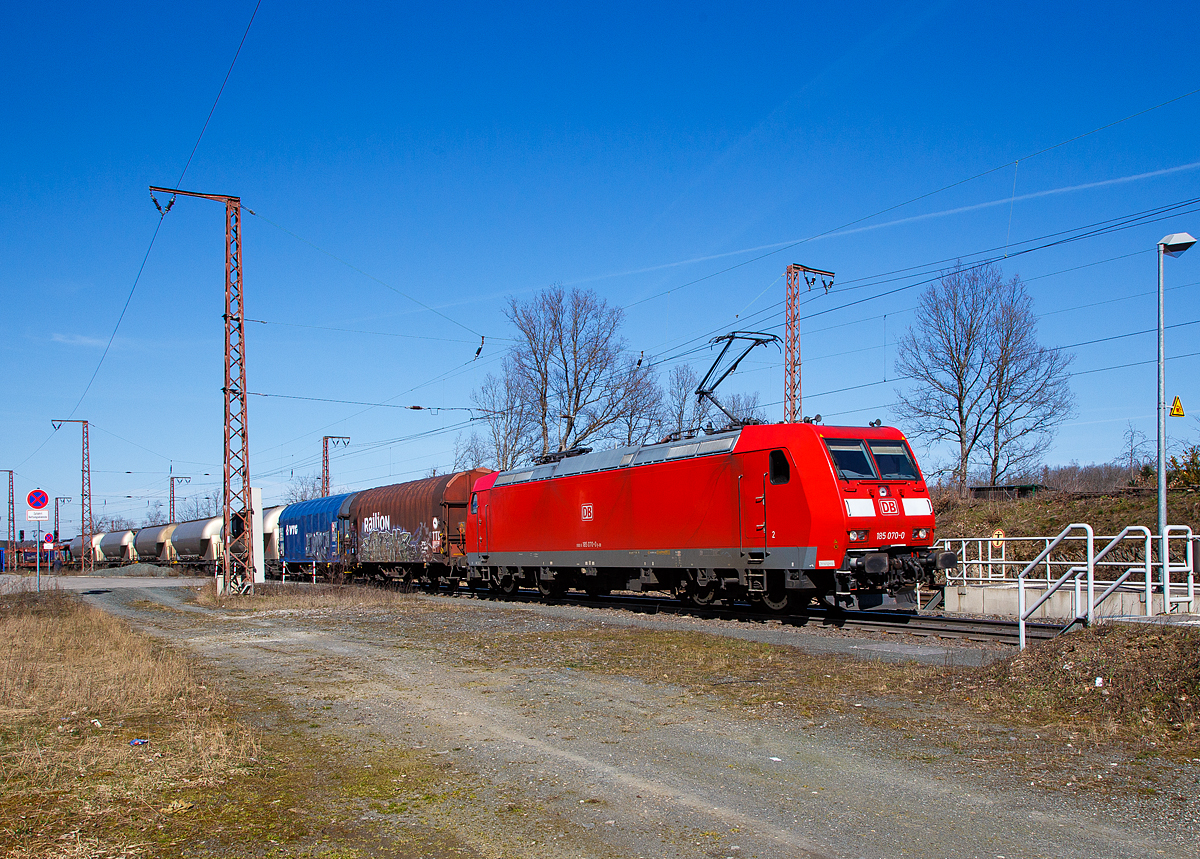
550, 589
778, 602
704, 596
506, 585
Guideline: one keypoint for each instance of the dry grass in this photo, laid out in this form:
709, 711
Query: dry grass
745, 673
76, 686
1149, 692
273, 596
1049, 513
1150, 697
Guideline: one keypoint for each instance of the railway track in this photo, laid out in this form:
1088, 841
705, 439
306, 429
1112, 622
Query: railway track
934, 626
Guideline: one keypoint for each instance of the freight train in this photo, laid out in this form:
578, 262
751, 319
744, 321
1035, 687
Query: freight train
777, 515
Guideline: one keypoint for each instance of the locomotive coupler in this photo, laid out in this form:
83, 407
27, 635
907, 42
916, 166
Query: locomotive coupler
899, 571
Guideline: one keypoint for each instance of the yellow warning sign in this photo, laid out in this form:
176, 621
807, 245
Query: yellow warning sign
1177, 409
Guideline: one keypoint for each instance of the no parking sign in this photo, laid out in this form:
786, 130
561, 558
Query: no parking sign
37, 501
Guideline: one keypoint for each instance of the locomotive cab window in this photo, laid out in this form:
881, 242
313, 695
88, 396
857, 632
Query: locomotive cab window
780, 471
851, 458
893, 460
474, 503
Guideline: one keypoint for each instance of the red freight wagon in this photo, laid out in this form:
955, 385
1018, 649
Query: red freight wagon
773, 513
413, 529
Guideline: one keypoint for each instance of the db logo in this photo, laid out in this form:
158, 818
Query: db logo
889, 507
586, 511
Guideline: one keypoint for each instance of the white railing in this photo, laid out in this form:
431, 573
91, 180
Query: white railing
1184, 572
1071, 557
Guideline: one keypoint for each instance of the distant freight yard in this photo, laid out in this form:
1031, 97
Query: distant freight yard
360, 722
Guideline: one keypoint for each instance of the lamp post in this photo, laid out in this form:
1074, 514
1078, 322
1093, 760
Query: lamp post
1172, 245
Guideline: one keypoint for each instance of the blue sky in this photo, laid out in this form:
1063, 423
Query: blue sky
662, 155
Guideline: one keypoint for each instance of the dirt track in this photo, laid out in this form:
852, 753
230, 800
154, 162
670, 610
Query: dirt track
535, 757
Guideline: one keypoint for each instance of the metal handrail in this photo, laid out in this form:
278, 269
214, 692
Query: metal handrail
1140, 540
1187, 566
980, 565
1147, 567
1023, 615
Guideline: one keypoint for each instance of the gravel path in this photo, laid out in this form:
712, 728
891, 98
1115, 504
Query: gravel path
543, 761
814, 638
11, 584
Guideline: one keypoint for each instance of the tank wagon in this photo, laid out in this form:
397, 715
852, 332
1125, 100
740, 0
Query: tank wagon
271, 538
153, 544
774, 514
198, 542
117, 547
76, 548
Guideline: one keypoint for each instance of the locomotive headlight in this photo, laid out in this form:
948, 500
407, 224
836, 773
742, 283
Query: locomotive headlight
858, 536
920, 533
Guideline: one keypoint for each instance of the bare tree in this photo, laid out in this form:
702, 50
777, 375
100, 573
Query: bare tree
529, 368
510, 416
106, 524
982, 381
1133, 449
201, 506
302, 487
1030, 388
471, 452
685, 411
946, 354
642, 417
569, 367
745, 408
155, 515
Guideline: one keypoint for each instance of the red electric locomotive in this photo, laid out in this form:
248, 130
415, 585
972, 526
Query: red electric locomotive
775, 514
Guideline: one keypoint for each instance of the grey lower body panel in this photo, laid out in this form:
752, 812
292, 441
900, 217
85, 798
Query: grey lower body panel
795, 561
773, 558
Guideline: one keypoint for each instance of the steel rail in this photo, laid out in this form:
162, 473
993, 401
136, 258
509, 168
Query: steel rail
975, 629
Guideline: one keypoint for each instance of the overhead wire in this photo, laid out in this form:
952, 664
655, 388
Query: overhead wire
434, 409
875, 281
1049, 240
162, 215
912, 200
359, 331
778, 250
365, 274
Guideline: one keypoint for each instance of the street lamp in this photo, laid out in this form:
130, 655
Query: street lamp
1172, 245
